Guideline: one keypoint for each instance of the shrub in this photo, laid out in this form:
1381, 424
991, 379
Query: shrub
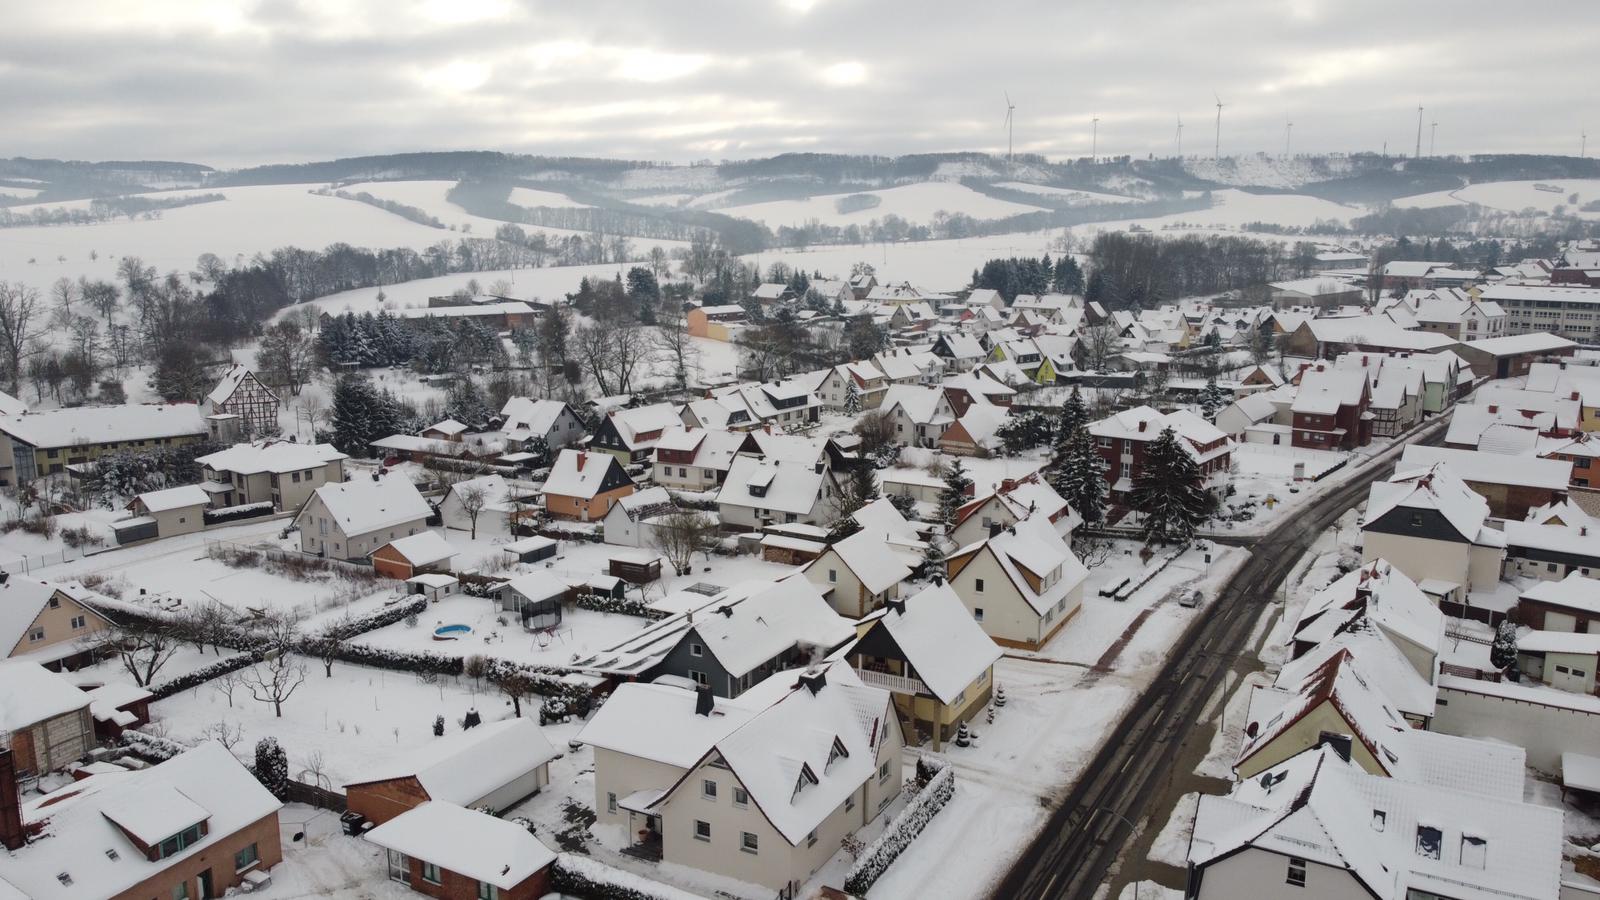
580, 876
903, 830
628, 606
80, 537
181, 683
272, 767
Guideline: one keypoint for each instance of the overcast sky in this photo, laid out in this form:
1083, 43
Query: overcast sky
238, 82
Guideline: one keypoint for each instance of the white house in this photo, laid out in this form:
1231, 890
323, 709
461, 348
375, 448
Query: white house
767, 491
351, 519
1021, 585
1433, 527
628, 523
526, 418
502, 504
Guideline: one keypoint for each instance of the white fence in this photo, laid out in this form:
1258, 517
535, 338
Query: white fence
25, 564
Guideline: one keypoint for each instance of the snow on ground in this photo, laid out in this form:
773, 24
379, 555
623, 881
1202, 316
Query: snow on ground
1171, 846
326, 863
429, 196
1513, 196
1146, 890
1072, 194
20, 193
1234, 208
662, 199
522, 196
915, 203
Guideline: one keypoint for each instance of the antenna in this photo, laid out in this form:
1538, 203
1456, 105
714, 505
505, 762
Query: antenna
1419, 133
1288, 133
1433, 135
1217, 150
1094, 145
1180, 137
1010, 121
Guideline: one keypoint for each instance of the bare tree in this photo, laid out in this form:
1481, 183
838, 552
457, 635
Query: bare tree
876, 429
315, 770
675, 346
472, 498
592, 346
1099, 343
225, 684
274, 680
324, 645
514, 684
143, 647
680, 535
223, 732
19, 308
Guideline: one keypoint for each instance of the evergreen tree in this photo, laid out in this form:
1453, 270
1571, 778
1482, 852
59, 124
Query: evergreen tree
852, 398
1078, 474
466, 403
1503, 653
1074, 415
1169, 492
1213, 399
954, 494
363, 414
272, 767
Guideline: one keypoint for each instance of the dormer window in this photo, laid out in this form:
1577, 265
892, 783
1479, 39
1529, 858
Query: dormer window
1429, 840
835, 752
1474, 851
181, 841
1380, 819
805, 779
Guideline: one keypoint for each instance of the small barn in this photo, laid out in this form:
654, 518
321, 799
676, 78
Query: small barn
496, 765
417, 554
536, 599
638, 567
532, 549
433, 585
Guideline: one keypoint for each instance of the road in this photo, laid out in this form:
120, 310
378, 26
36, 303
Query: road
1074, 852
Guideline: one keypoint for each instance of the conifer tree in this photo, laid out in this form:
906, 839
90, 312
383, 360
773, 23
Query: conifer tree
1213, 399
954, 494
1169, 492
852, 398
1078, 475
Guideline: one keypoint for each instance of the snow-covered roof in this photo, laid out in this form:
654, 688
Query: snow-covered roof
533, 416
103, 424
229, 383
579, 473
755, 621
1513, 344
466, 766
1032, 545
1127, 425
82, 841
30, 694
1326, 810
1559, 642
1575, 592
1324, 389
641, 425
1411, 691
874, 562
1375, 331
658, 722
174, 498
940, 639
105, 700
922, 405
1437, 488
789, 486
22, 598
1490, 468
503, 308
1314, 287
365, 505
271, 456
448, 427
474, 844
882, 518
652, 501
11, 406
423, 548
1381, 593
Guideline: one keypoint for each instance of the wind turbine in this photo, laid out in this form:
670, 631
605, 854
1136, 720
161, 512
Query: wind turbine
1010, 121
1094, 144
1433, 135
1216, 151
1180, 137
1419, 134
1288, 133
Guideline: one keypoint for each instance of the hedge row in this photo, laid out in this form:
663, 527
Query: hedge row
581, 876
380, 619
628, 606
149, 746
237, 513
164, 689
899, 834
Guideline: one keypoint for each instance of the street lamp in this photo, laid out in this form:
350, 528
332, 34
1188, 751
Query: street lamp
1132, 831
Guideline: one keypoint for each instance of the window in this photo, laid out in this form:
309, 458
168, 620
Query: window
399, 867
430, 873
833, 576
977, 585
1379, 819
1297, 872
708, 789
295, 477
696, 650
36, 634
741, 797
55, 602
1428, 840
699, 677
702, 830
175, 844
883, 773
487, 891
977, 614
78, 622
1474, 851
748, 843
180, 891
850, 802
611, 802
811, 839
246, 858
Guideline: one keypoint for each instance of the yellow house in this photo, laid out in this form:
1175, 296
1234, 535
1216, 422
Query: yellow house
1046, 373
47, 623
1334, 700
36, 444
932, 657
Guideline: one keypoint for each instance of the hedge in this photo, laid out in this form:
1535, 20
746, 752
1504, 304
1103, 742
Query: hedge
380, 619
236, 513
581, 876
899, 834
149, 746
163, 689
628, 606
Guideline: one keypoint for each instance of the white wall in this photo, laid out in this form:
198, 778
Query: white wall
1545, 731
1260, 875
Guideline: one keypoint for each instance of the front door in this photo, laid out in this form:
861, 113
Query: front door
206, 889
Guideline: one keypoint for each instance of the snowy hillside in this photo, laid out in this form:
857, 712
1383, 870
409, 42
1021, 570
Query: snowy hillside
1515, 196
1261, 170
916, 203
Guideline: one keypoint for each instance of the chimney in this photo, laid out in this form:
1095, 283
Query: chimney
703, 700
1574, 395
813, 680
11, 834
895, 606
1142, 424
1339, 742
582, 458
1494, 407
995, 528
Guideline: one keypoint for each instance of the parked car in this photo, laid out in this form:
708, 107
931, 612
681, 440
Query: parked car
1190, 599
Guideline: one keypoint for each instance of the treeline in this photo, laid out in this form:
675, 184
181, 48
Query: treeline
431, 345
101, 209
1026, 275
1138, 271
404, 211
491, 200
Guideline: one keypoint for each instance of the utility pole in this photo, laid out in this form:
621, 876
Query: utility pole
1094, 142
1419, 134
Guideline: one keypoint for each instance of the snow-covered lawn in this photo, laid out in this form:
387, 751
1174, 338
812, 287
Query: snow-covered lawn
1511, 196
916, 203
1070, 194
497, 634
1232, 208
522, 196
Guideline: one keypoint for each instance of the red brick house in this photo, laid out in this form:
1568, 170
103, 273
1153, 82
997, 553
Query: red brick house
1121, 440
1331, 411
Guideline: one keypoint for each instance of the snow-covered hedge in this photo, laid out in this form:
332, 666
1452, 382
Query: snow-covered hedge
628, 606
149, 746
380, 619
237, 513
399, 660
582, 876
570, 534
181, 683
882, 853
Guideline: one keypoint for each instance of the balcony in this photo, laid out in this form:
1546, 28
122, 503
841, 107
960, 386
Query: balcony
899, 684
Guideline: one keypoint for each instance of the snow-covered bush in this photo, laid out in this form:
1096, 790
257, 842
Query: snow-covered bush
149, 746
628, 606
581, 876
902, 831
181, 683
237, 513
272, 767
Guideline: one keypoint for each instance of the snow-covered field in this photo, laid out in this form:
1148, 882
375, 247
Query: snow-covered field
522, 196
1514, 196
428, 196
1233, 209
916, 203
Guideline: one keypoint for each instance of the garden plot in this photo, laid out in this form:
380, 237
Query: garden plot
496, 633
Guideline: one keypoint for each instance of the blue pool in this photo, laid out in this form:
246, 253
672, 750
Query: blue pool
451, 632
